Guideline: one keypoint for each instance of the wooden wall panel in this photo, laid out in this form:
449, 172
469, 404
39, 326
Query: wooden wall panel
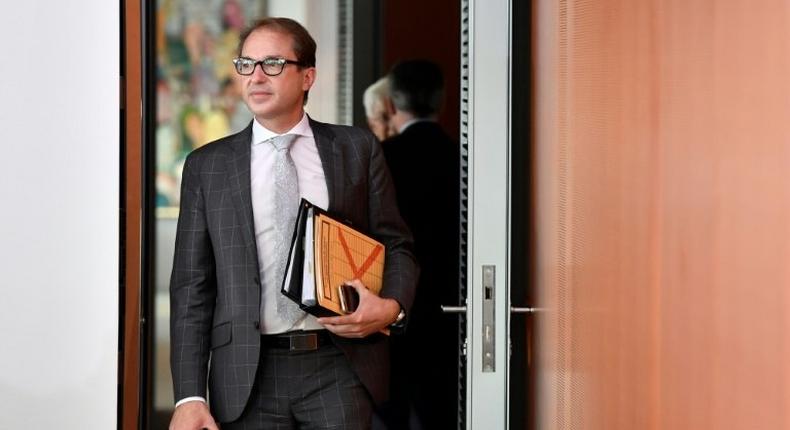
661, 156
131, 377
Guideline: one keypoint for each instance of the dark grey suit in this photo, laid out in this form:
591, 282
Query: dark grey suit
215, 287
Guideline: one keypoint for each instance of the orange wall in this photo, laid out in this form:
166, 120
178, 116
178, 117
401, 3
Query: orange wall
662, 196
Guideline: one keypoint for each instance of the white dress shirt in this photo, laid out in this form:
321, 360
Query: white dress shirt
312, 186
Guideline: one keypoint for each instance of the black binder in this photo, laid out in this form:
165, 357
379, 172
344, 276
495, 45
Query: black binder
292, 279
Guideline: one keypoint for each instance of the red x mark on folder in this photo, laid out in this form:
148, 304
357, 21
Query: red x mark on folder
358, 271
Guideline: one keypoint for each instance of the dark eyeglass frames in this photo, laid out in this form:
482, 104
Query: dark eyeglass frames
271, 66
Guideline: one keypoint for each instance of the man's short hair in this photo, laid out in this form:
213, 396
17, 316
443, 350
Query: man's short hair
376, 93
304, 45
417, 87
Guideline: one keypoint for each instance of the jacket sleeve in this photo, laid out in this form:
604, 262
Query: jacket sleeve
401, 270
193, 290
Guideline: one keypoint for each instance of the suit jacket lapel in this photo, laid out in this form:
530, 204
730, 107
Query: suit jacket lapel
332, 162
239, 168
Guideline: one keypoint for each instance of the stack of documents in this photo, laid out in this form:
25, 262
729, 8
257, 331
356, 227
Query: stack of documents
325, 254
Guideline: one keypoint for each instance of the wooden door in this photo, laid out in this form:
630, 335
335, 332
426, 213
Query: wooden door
661, 154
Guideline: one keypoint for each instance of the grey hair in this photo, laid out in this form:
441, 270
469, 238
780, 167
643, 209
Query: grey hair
417, 87
377, 92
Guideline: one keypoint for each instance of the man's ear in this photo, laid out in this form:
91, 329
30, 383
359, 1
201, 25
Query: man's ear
309, 79
389, 107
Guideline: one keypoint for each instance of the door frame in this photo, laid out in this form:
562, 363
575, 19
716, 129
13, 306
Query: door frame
485, 146
129, 367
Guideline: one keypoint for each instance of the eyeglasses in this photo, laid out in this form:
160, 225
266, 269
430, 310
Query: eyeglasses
271, 66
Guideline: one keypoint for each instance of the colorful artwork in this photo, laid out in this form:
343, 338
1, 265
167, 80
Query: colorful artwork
198, 97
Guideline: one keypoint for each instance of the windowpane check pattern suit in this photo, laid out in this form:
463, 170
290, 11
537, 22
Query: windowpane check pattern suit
215, 287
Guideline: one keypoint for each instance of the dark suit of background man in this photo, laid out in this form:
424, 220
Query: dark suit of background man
272, 366
424, 162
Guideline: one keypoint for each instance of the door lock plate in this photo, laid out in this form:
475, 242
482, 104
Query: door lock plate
489, 330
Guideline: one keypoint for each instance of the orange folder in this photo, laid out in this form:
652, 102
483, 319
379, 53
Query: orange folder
325, 253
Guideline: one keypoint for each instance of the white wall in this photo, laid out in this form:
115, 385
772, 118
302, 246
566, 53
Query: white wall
59, 198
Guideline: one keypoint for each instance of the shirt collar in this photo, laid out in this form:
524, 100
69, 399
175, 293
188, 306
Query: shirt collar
261, 134
411, 122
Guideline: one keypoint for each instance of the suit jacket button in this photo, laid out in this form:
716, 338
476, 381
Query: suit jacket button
257, 325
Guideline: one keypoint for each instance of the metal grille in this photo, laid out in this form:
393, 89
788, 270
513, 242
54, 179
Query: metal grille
345, 62
463, 251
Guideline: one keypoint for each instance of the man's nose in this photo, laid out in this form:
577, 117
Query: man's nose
257, 73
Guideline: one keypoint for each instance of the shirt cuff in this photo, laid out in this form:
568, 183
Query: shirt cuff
190, 399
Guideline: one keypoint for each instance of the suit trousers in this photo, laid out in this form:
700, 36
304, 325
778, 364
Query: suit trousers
305, 390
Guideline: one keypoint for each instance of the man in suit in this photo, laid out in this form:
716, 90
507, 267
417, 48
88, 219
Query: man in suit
272, 365
424, 162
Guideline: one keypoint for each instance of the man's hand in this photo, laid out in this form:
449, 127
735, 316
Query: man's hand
192, 416
372, 315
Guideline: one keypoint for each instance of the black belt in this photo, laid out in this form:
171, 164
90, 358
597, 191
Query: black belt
297, 340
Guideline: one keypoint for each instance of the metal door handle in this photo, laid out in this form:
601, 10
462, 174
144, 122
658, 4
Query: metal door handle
454, 309
462, 310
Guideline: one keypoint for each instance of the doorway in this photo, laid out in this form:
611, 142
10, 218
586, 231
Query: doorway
189, 100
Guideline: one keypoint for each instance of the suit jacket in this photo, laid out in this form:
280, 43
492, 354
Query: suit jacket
425, 167
215, 287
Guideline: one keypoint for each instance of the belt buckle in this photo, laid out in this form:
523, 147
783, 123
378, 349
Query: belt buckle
304, 342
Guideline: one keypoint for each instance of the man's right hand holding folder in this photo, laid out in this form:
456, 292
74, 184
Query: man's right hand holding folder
373, 314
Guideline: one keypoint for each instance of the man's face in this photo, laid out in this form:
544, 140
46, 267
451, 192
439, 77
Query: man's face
274, 99
379, 123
